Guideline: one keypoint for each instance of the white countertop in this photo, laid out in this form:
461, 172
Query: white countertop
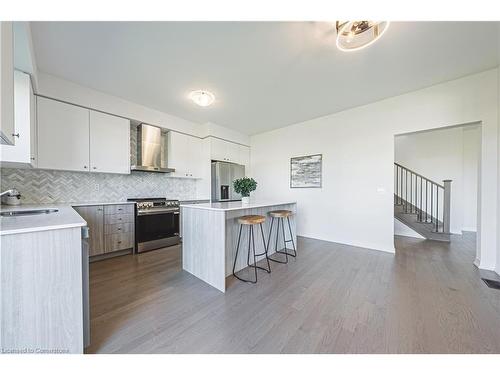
234, 206
65, 217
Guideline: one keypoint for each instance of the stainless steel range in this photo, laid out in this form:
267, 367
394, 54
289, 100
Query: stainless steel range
156, 223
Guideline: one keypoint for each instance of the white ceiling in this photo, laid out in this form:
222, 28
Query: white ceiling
264, 75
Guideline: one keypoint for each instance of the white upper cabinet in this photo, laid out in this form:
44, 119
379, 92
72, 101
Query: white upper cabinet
185, 155
23, 153
7, 130
78, 139
244, 155
109, 143
33, 129
228, 151
218, 149
63, 136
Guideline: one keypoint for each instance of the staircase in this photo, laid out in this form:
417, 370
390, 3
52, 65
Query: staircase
422, 204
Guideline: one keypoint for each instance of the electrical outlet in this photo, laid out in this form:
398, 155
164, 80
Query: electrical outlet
96, 187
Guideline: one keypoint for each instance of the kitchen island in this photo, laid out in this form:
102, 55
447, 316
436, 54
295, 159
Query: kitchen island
210, 235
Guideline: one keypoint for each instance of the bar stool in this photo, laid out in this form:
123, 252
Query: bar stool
281, 215
251, 220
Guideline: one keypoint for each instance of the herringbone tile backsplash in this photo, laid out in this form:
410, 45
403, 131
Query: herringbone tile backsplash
44, 186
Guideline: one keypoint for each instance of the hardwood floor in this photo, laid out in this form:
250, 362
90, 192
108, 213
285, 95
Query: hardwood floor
333, 298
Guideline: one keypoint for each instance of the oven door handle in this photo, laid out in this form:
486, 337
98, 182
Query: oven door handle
158, 212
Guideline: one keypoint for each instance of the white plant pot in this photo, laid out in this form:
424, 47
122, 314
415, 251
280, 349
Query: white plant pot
245, 200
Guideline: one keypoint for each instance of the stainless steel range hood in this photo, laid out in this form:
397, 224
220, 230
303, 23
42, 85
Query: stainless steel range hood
151, 146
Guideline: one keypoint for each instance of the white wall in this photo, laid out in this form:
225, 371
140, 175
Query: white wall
441, 154
355, 205
401, 229
470, 177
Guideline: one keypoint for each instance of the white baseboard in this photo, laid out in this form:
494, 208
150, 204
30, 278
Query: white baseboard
469, 229
486, 267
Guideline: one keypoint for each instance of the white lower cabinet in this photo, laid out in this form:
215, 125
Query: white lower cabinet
185, 155
78, 139
23, 152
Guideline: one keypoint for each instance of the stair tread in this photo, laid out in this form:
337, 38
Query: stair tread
425, 229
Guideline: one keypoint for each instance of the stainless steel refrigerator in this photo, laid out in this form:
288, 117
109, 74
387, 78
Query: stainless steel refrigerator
223, 175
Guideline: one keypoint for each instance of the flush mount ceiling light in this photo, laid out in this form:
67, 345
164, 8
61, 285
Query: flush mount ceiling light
356, 35
202, 97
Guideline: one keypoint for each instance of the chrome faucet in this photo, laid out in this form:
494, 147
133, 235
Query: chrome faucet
11, 193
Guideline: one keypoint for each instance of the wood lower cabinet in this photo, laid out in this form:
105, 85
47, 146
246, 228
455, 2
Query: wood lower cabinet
94, 216
118, 218
118, 228
111, 227
118, 241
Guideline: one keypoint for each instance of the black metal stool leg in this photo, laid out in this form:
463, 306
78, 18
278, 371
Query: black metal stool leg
265, 249
276, 243
237, 249
268, 270
291, 238
254, 257
285, 241
248, 257
284, 238
249, 242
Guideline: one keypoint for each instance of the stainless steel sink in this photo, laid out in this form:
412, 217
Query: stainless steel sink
28, 212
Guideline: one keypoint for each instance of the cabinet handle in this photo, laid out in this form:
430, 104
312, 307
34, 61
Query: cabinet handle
99, 209
32, 158
119, 241
94, 168
119, 228
119, 218
119, 209
15, 135
85, 167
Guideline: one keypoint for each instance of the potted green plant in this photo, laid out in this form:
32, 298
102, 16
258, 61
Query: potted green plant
244, 186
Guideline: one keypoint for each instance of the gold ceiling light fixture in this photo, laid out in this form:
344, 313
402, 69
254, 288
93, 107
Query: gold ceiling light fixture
356, 35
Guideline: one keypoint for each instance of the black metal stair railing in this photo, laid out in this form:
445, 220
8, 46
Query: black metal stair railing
420, 195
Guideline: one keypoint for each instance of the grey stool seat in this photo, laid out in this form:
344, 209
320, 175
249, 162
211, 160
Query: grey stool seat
280, 215
250, 221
